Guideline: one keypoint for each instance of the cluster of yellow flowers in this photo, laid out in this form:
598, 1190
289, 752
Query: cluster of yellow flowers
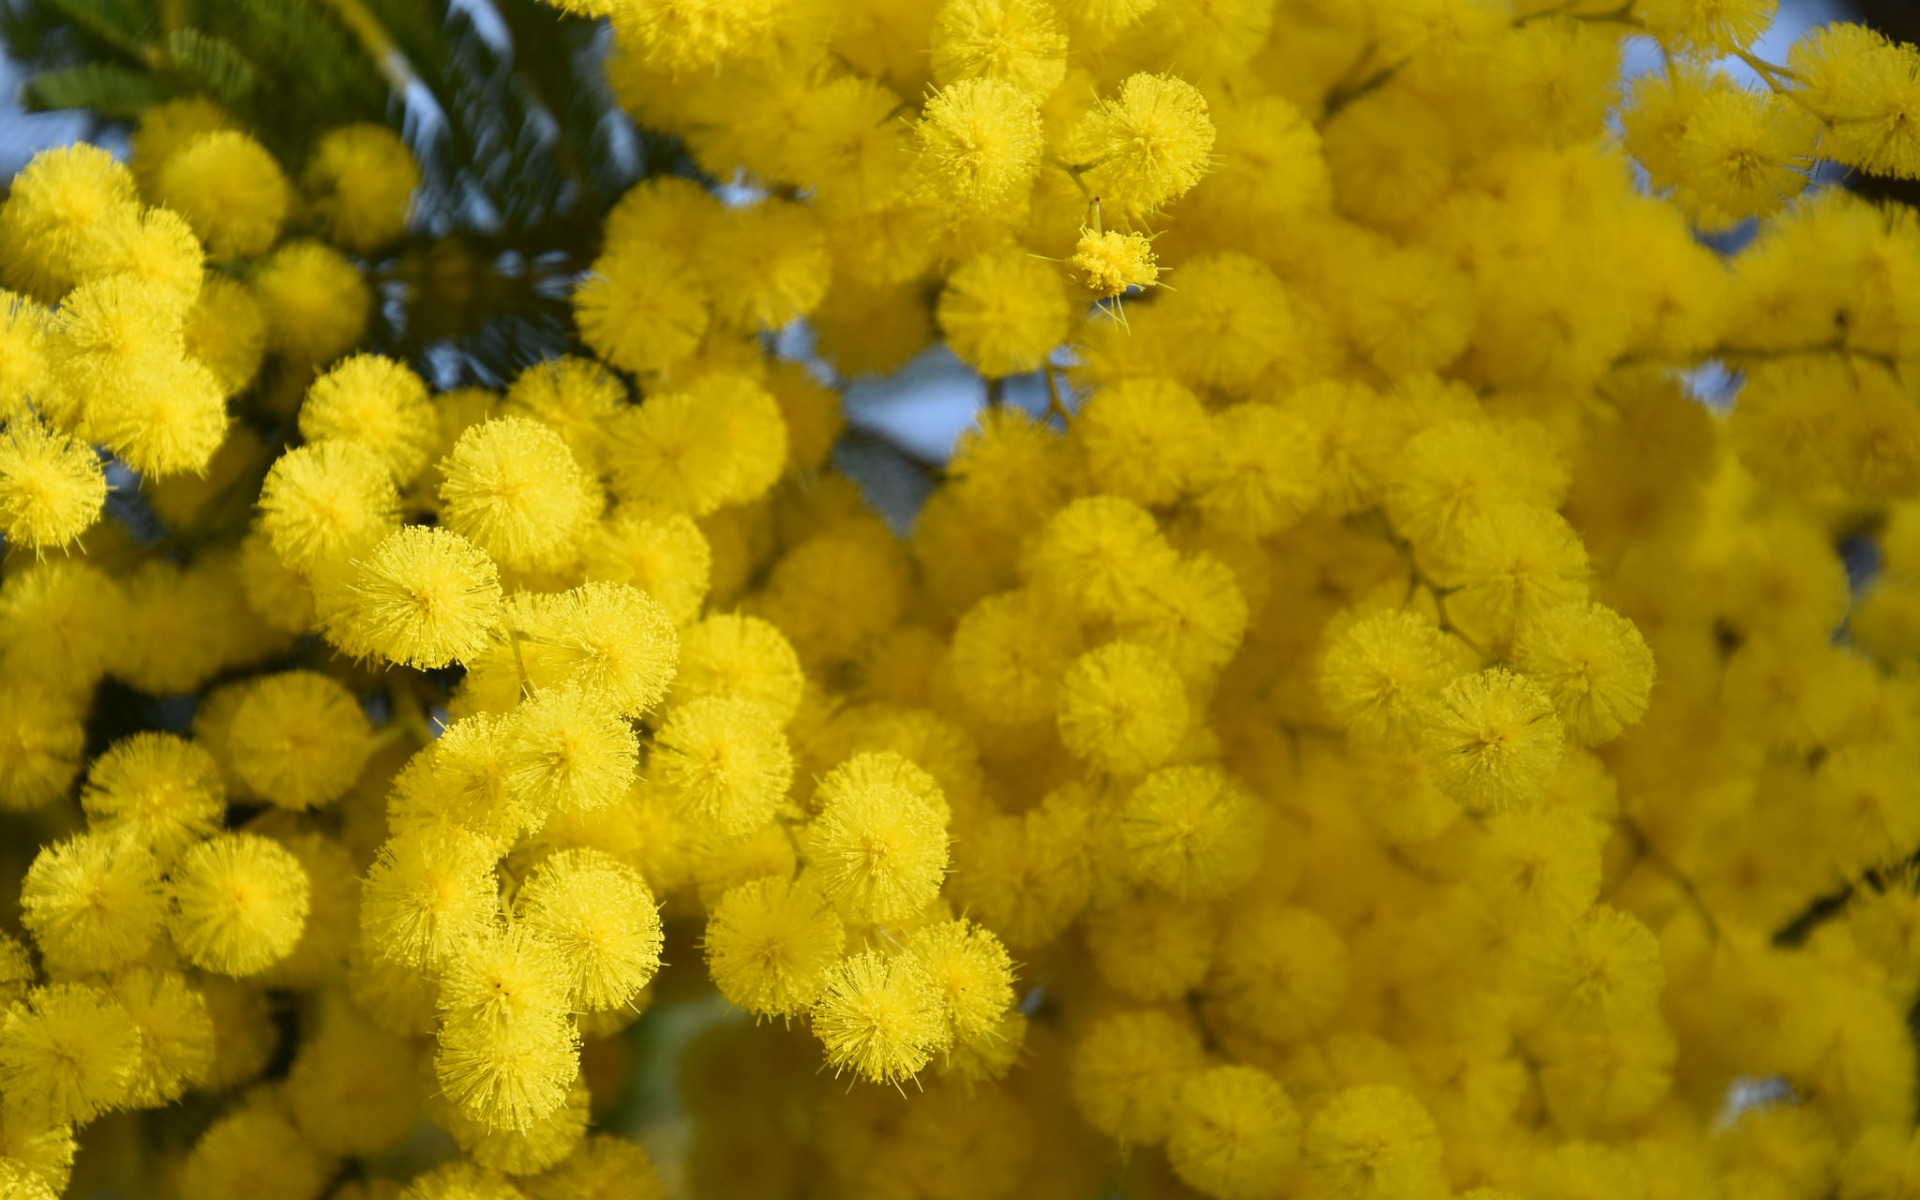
1250, 779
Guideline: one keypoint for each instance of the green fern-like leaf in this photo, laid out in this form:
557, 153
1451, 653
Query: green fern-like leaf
212, 65
120, 23
116, 93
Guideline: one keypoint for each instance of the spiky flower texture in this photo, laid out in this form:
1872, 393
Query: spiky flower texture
1346, 718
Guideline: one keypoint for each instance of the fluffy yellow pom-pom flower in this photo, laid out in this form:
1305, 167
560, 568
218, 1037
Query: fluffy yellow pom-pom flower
1374, 1143
1492, 741
569, 751
93, 902
427, 894
600, 917
724, 761
422, 597
155, 790
299, 739
880, 841
231, 190
980, 142
327, 501
1594, 665
770, 943
176, 1035
880, 1018
1235, 1135
52, 205
513, 489
1190, 831
1148, 147
361, 179
68, 1053
742, 658
1128, 1070
51, 486
1123, 710
379, 404
239, 903
1003, 311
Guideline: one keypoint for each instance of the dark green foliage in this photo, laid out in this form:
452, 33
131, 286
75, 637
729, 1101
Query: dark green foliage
114, 92
212, 66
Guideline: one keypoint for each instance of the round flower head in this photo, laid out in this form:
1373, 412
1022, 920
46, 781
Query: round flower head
460, 1181
518, 1152
576, 398
506, 979
423, 597
1279, 972
1707, 28
1004, 311
314, 301
1191, 831
427, 894
1594, 665
1492, 741
1381, 672
466, 784
1235, 1135
663, 554
1609, 974
880, 841
60, 623
640, 309
1120, 420
600, 917
770, 265
176, 1035
68, 1053
724, 761
973, 972
770, 944
353, 1088
175, 424
326, 502
1514, 562
882, 1019
377, 403
569, 751
507, 1076
1147, 148
23, 353
613, 639
61, 196
41, 742
512, 488
93, 902
1123, 710
980, 142
230, 190
1128, 1070
1017, 42
604, 1167
1374, 1143
52, 489
1102, 555
239, 904
167, 128
361, 179
741, 658
157, 247
1266, 475
299, 739
672, 453
254, 1154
